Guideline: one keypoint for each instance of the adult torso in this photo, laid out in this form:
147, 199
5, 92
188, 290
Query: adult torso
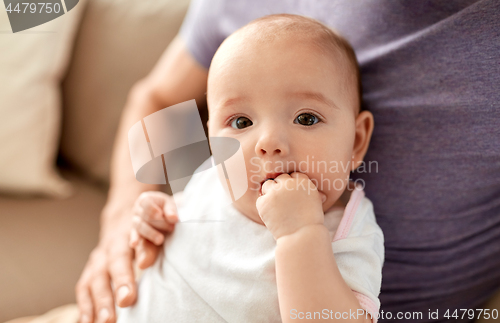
430, 72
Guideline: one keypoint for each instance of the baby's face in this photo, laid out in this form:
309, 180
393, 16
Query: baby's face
289, 110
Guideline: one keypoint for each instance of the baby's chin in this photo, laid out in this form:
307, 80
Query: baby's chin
246, 205
248, 210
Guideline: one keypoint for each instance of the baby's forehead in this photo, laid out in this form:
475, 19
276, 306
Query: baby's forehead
287, 34
261, 36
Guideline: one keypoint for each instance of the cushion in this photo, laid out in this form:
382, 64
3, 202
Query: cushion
118, 43
32, 64
44, 245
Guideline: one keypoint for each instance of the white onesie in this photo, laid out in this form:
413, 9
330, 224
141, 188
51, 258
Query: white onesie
219, 266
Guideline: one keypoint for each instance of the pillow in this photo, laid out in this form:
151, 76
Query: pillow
32, 63
118, 43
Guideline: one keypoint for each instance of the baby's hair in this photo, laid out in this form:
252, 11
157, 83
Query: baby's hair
274, 27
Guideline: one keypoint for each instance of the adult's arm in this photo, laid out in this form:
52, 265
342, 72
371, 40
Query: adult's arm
177, 77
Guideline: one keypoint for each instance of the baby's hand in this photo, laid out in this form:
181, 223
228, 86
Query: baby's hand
154, 215
290, 202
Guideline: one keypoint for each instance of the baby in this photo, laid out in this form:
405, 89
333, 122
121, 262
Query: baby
302, 242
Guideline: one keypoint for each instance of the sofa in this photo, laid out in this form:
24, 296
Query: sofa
46, 236
45, 241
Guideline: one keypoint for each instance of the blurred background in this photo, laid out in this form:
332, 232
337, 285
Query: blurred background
63, 86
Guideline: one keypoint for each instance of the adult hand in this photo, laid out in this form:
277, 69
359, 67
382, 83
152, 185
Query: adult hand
176, 78
109, 263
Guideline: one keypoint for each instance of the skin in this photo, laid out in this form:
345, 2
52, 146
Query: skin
271, 86
268, 85
176, 78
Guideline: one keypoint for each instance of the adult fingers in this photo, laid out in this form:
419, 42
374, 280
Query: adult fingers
84, 302
100, 289
95, 267
122, 273
147, 231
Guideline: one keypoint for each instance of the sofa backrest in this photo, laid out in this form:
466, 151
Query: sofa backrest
118, 43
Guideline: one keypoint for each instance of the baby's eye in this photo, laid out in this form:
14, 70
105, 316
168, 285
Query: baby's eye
241, 122
306, 119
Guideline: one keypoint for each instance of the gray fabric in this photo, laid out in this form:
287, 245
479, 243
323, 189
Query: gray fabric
430, 72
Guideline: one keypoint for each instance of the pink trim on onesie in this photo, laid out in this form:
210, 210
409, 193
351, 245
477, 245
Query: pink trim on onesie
350, 210
368, 305
342, 232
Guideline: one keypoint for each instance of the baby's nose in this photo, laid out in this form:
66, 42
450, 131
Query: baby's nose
277, 151
271, 144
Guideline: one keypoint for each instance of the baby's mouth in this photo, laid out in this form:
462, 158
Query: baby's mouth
269, 176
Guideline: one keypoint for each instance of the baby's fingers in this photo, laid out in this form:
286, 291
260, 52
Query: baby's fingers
146, 231
170, 210
146, 253
134, 238
151, 214
149, 206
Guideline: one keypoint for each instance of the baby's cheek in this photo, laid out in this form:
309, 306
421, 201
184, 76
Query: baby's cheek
331, 184
247, 206
253, 182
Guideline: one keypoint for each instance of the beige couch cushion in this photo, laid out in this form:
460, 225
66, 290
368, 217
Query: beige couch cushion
44, 245
32, 63
119, 42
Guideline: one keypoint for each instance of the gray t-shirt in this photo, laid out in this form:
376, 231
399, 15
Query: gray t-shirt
431, 75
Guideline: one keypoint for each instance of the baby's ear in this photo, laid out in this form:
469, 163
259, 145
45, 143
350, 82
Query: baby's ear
364, 129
